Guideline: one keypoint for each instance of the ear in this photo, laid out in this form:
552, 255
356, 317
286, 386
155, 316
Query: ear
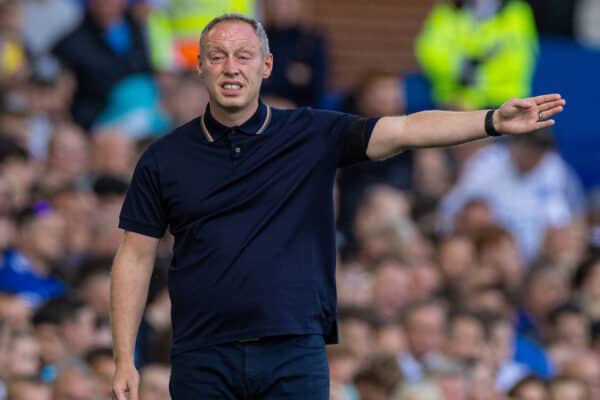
268, 66
199, 67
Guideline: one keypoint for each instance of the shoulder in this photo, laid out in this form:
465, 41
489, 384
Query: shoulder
317, 118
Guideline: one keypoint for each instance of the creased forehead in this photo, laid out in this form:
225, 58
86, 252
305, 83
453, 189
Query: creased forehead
232, 33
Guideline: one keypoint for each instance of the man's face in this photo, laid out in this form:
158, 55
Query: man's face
233, 66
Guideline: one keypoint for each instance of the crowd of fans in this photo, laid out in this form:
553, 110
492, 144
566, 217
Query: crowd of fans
464, 273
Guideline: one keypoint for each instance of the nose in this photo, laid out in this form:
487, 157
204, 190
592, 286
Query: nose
231, 67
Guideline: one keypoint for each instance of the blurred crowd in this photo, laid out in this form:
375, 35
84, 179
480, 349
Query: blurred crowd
466, 273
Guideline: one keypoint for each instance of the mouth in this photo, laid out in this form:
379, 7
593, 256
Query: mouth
231, 88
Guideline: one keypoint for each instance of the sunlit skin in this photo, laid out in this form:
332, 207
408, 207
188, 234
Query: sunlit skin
233, 66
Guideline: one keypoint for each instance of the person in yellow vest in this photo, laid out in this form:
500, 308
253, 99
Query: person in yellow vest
174, 27
13, 58
476, 53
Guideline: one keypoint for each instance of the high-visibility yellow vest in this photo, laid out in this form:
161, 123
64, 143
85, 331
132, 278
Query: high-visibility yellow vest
174, 31
507, 42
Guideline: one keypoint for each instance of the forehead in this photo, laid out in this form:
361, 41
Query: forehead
232, 34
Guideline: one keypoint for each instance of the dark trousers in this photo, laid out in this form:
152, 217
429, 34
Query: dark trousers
284, 367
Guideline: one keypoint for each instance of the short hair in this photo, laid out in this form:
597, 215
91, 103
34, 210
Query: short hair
58, 310
257, 26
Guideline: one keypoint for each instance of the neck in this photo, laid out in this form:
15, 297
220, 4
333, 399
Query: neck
232, 117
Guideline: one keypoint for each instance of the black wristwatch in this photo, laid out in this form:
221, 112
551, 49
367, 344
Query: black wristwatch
489, 124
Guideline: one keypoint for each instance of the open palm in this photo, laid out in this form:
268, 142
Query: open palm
517, 116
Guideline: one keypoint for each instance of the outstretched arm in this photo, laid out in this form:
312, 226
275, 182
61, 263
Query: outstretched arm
392, 135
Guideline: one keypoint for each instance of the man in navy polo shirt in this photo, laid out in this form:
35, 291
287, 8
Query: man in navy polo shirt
246, 190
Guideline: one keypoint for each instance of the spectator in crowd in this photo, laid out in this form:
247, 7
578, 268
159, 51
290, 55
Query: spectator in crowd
27, 389
378, 93
77, 207
569, 329
466, 338
497, 251
425, 325
13, 59
477, 53
154, 382
24, 357
343, 365
379, 378
100, 361
300, 72
392, 288
357, 329
585, 367
567, 388
74, 383
28, 268
65, 329
110, 192
544, 288
534, 189
17, 176
112, 154
530, 387
66, 162
586, 282
107, 45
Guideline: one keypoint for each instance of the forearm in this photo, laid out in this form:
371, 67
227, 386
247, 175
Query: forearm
129, 290
442, 128
392, 135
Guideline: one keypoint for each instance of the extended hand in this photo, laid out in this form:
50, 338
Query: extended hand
518, 116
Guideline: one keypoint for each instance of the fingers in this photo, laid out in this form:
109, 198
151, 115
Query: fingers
546, 98
544, 115
125, 391
544, 124
551, 104
522, 103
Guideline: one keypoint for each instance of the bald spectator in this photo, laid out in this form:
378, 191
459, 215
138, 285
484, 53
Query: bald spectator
74, 384
154, 382
113, 153
67, 157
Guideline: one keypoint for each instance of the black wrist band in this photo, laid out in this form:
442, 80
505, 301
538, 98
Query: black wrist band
489, 124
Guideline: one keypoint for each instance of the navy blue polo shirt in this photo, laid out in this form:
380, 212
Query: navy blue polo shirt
251, 210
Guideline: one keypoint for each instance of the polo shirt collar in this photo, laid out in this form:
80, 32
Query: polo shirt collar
213, 130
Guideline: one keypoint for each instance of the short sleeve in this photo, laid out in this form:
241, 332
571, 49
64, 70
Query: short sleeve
353, 139
143, 210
